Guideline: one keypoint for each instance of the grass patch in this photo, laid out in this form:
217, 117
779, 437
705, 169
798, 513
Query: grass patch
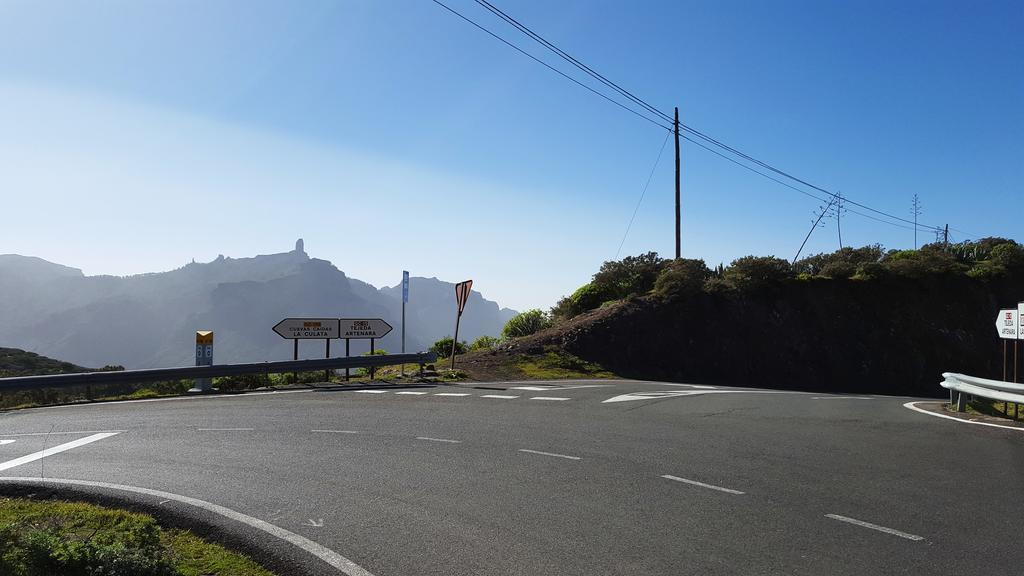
556, 364
40, 538
994, 408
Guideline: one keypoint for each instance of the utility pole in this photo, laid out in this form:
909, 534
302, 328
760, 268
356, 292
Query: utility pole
839, 218
915, 209
945, 236
675, 126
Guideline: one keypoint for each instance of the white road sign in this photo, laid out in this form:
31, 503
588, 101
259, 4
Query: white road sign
356, 328
1020, 325
1006, 323
307, 328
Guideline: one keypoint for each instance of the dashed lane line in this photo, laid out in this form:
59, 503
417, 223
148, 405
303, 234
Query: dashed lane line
701, 484
567, 457
336, 431
74, 432
555, 398
225, 429
446, 440
55, 450
372, 391
864, 524
499, 396
452, 394
8, 441
411, 393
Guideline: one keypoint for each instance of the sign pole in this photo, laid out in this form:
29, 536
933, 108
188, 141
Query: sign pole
372, 368
346, 356
455, 341
327, 354
405, 298
1004, 360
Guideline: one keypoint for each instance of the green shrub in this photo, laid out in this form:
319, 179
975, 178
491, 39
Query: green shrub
484, 343
443, 347
839, 270
752, 272
816, 264
681, 277
631, 275
921, 263
525, 323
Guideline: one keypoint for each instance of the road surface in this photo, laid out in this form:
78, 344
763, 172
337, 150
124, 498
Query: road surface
568, 478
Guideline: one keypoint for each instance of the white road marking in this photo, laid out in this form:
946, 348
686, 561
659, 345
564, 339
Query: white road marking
912, 406
2, 442
549, 454
535, 388
224, 429
647, 396
841, 398
452, 394
65, 433
701, 484
411, 393
864, 524
501, 396
55, 450
372, 391
315, 523
670, 394
548, 398
337, 431
329, 556
439, 440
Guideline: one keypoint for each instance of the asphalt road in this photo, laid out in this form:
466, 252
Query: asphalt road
459, 480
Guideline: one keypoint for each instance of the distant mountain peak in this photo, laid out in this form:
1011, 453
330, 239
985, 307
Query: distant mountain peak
300, 246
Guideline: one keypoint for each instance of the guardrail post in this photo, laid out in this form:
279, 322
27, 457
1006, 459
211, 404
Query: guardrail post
960, 401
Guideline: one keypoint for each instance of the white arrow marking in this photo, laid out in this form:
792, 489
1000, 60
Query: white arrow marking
315, 523
647, 396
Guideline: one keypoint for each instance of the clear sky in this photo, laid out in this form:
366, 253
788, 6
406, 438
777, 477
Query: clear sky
138, 135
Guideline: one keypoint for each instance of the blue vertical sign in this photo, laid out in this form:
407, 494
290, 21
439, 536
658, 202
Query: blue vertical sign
405, 286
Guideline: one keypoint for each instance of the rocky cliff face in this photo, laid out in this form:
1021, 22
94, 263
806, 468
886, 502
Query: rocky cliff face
889, 337
149, 320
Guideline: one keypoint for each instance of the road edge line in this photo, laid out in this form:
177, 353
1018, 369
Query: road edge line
911, 406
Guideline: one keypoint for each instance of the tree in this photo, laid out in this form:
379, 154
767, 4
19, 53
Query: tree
526, 323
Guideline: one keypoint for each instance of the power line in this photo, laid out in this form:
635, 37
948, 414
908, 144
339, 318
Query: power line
548, 66
642, 194
662, 115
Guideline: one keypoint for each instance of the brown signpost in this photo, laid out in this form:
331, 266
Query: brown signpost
462, 290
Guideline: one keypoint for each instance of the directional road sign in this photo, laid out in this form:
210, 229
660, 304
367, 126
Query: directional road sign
356, 328
1006, 323
1020, 325
307, 328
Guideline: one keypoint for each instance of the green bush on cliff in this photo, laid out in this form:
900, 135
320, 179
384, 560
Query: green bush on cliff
753, 272
525, 323
681, 277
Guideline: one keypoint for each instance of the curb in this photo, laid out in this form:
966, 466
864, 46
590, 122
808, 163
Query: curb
274, 554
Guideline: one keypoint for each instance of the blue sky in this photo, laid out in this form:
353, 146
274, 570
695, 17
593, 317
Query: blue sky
391, 135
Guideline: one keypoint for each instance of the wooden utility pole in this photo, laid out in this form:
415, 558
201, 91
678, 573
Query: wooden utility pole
675, 126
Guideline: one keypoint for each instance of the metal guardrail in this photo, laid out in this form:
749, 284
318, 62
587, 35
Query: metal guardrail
961, 385
192, 372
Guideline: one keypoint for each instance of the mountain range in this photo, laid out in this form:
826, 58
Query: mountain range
149, 320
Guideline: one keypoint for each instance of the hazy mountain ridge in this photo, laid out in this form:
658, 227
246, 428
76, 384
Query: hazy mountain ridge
149, 320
